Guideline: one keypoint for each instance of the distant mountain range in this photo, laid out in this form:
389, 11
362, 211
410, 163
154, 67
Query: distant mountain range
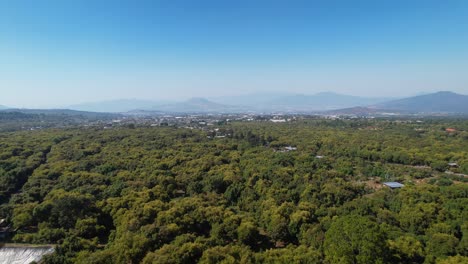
440, 102
259, 102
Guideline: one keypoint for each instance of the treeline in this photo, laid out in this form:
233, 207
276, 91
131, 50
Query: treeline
169, 195
24, 119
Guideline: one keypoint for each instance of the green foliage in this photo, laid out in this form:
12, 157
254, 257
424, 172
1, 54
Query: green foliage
182, 251
407, 248
227, 255
291, 254
440, 245
453, 260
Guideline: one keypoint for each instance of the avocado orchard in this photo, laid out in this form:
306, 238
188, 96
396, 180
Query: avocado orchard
174, 195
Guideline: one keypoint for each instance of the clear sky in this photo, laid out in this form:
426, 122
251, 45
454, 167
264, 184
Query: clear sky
60, 52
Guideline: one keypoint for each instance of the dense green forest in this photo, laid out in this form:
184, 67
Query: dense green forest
176, 195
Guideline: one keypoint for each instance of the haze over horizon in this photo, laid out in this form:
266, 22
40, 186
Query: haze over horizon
58, 54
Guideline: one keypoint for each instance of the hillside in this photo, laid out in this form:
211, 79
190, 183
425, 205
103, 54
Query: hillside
440, 102
320, 101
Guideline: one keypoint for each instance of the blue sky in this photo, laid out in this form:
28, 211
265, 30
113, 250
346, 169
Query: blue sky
60, 52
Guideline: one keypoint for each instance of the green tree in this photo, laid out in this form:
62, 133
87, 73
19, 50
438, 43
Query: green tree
354, 239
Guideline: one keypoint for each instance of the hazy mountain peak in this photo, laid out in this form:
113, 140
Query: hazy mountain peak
440, 93
199, 100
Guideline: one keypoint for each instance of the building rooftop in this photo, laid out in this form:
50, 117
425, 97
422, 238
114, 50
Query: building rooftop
393, 184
